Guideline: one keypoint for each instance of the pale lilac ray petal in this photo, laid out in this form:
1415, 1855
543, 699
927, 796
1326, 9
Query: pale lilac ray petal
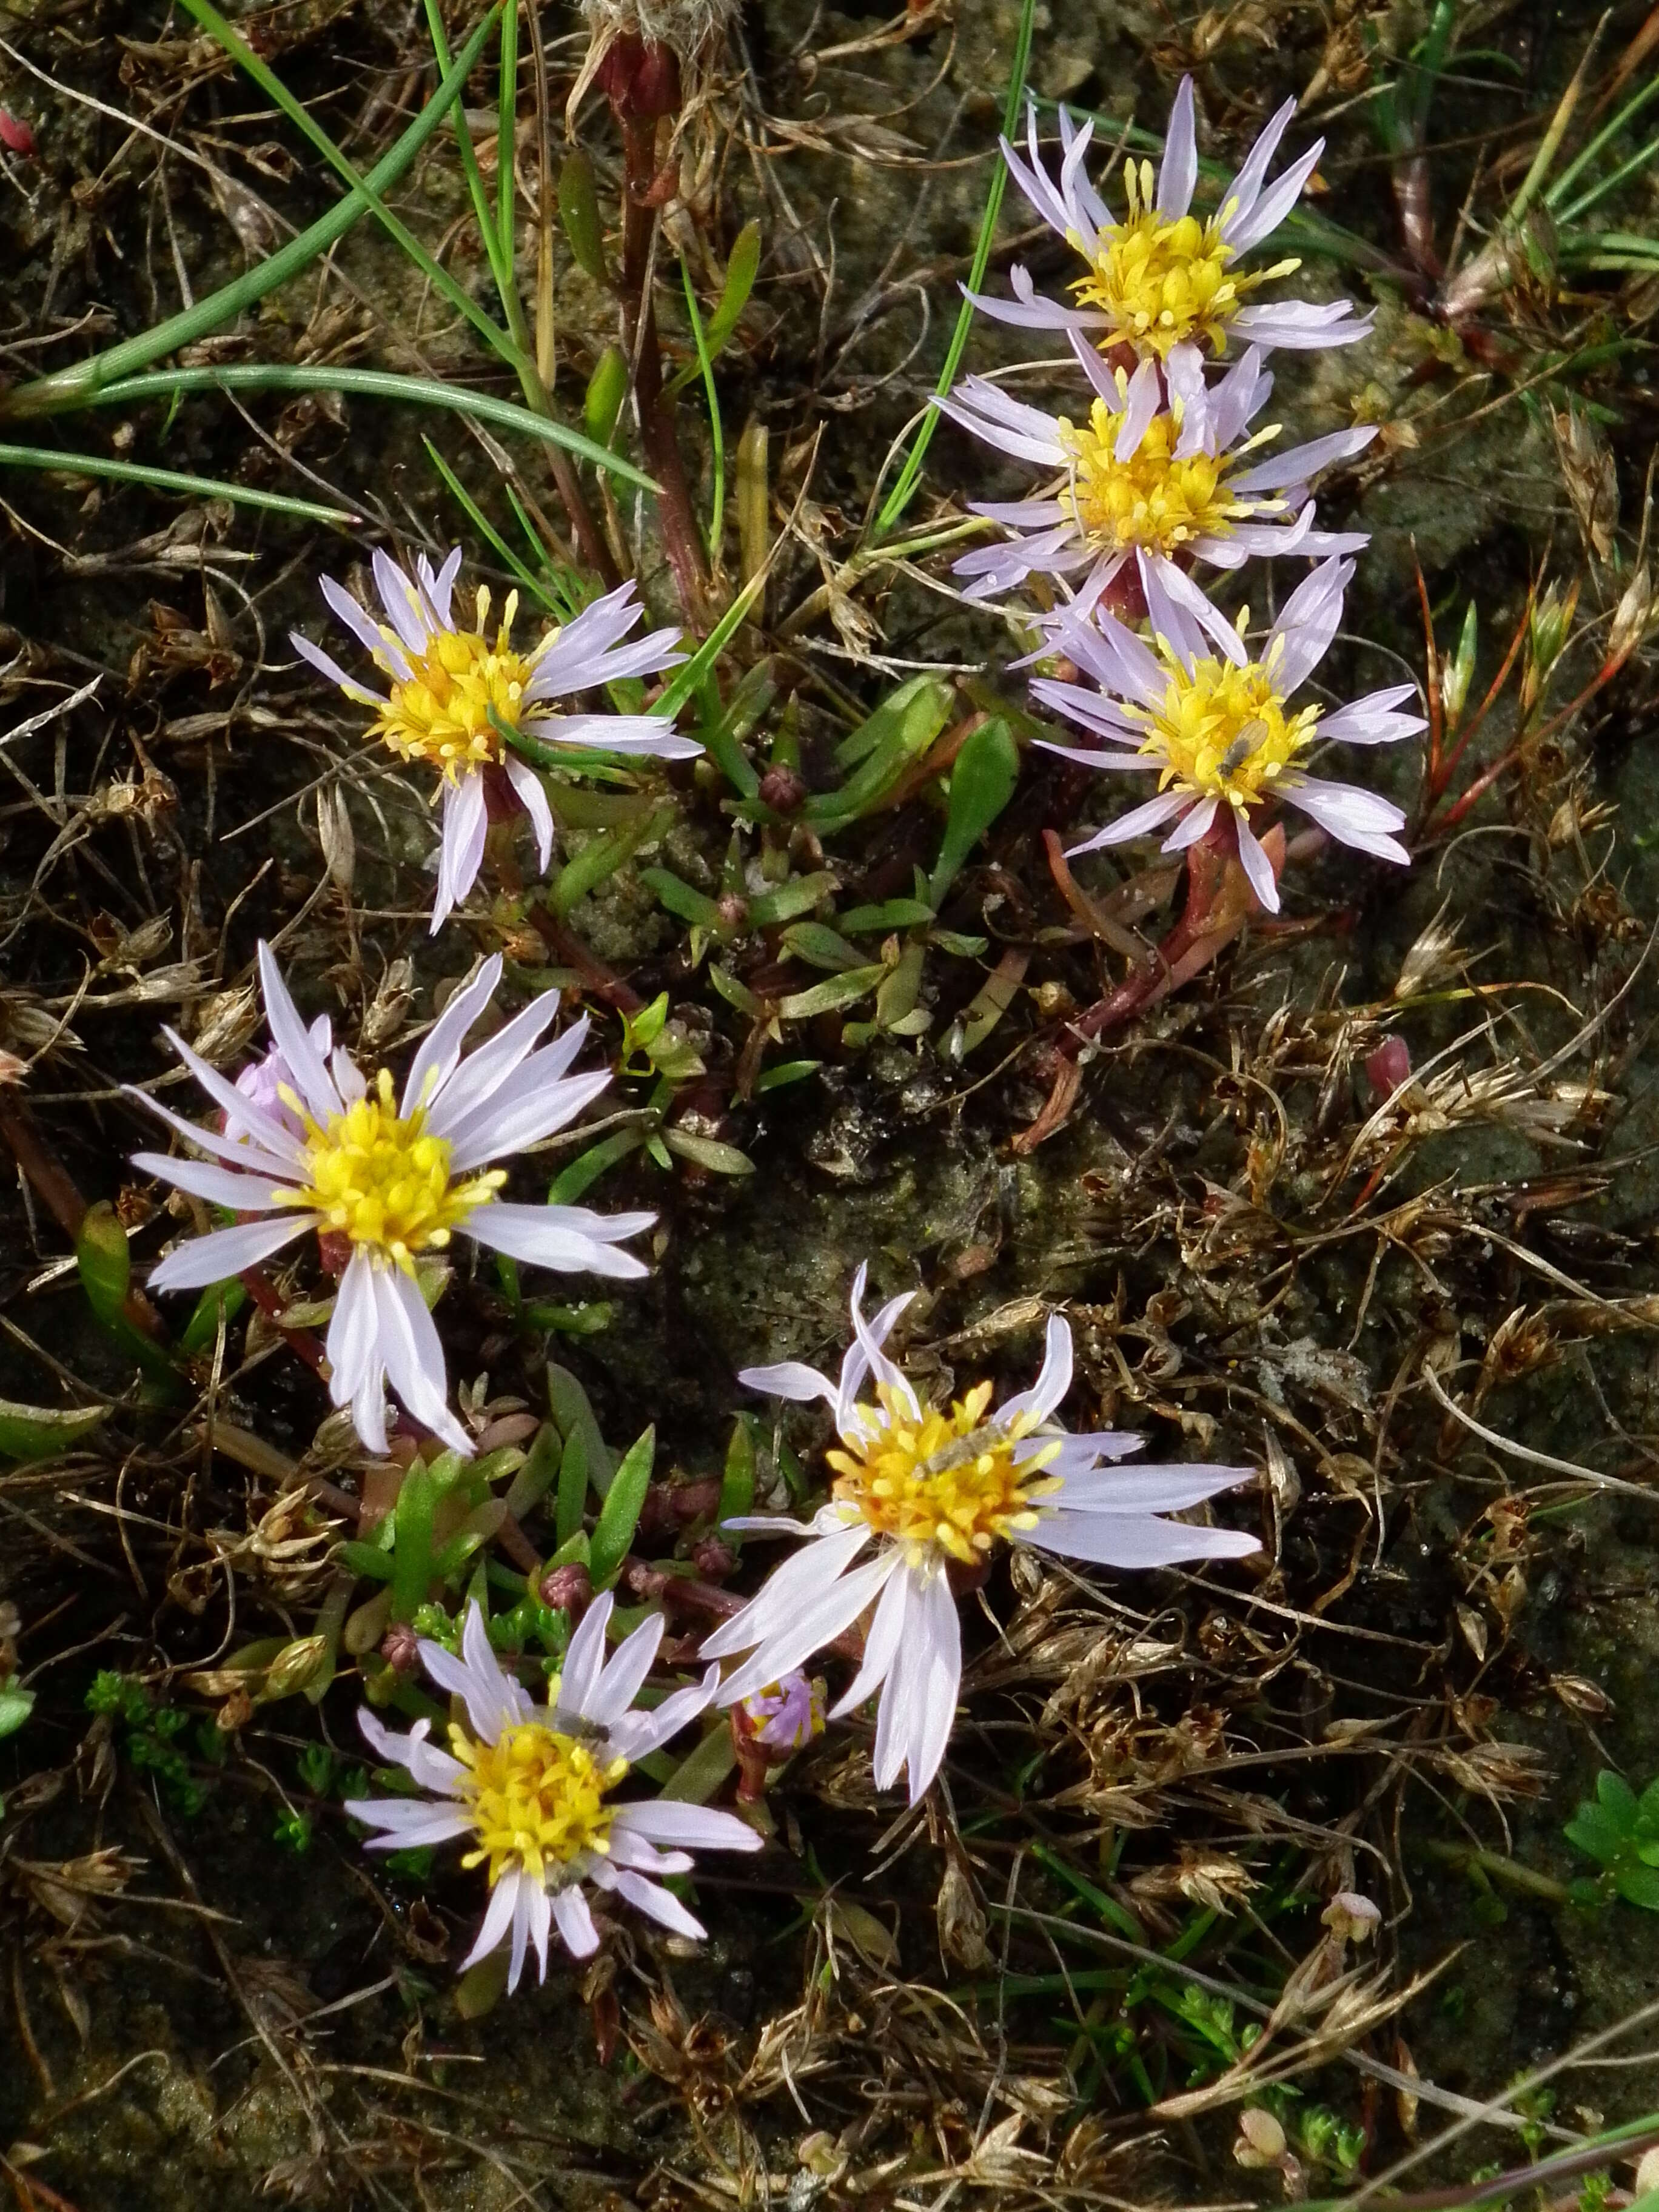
585, 1657
567, 1238
618, 733
1246, 187
637, 1734
786, 1587
533, 797
658, 1903
1118, 1539
277, 1137
1196, 825
541, 1923
236, 1187
387, 653
498, 1918
406, 1826
440, 1050
1258, 868
814, 1624
1275, 203
293, 1039
881, 1645
790, 1378
244, 1152
1141, 1489
327, 665
692, 1827
528, 1107
574, 1923
934, 1708
401, 603
460, 852
1054, 1380
1301, 462
620, 1682
432, 1768
1138, 821
413, 1356
1178, 171
225, 1252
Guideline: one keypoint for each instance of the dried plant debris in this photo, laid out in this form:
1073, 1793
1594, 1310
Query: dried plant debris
510, 1692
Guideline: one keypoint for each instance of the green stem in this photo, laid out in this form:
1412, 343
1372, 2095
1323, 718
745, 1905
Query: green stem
70, 388
364, 383
904, 490
99, 464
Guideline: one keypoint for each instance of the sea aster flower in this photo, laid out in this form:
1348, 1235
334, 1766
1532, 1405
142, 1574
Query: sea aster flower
452, 688
786, 1716
391, 1179
532, 1788
1167, 483
1219, 732
932, 1489
1161, 280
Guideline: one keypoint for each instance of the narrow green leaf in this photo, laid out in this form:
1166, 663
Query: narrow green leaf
579, 212
573, 1488
37, 1432
361, 383
785, 1072
799, 896
691, 675
892, 914
829, 996
105, 1263
708, 1152
139, 472
607, 388
820, 946
538, 1473
620, 1514
737, 1482
981, 784
201, 1331
572, 1410
703, 1770
411, 1557
601, 858
587, 1167
681, 898
368, 1560
74, 387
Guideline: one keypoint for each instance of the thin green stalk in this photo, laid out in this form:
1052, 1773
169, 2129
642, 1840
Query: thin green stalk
481, 210
506, 142
1631, 108
275, 90
99, 465
492, 537
1599, 192
705, 363
904, 490
1533, 183
67, 388
366, 384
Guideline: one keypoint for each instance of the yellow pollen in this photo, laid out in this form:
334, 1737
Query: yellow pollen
382, 1179
1221, 731
442, 714
951, 1481
1151, 498
535, 1798
1160, 283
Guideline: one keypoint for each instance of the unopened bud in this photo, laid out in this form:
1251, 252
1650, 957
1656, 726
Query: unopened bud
400, 1648
1388, 1067
733, 910
781, 789
1632, 617
713, 1560
1350, 1917
644, 1581
1260, 2139
568, 1589
293, 1666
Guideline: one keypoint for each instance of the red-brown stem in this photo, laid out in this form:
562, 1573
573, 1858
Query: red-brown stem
599, 982
590, 538
271, 1303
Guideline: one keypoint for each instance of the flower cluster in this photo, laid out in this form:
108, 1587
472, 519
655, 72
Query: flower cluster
1161, 473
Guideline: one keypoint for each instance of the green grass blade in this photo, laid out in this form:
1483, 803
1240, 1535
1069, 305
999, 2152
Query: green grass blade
75, 387
1586, 200
275, 91
99, 464
506, 142
706, 365
904, 490
492, 537
366, 384
475, 183
1627, 114
690, 674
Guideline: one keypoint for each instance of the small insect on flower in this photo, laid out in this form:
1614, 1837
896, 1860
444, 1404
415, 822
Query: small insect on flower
1161, 281
455, 693
532, 1788
1170, 484
934, 1491
390, 1178
1218, 730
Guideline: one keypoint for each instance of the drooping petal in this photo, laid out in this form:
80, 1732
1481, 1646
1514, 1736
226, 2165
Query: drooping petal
574, 1923
223, 1252
533, 797
567, 1237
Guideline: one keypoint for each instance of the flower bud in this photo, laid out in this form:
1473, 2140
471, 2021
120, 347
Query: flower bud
781, 789
400, 1648
568, 1589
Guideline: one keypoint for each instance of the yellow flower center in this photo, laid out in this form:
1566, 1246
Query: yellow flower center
1151, 498
950, 1480
1159, 282
442, 714
1222, 730
383, 1180
536, 1799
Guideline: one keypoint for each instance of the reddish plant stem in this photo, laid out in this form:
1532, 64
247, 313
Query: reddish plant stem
52, 1183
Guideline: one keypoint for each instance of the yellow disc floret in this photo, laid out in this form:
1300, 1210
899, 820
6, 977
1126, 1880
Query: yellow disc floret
535, 1798
1150, 499
949, 1481
1222, 730
443, 713
1160, 283
382, 1179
